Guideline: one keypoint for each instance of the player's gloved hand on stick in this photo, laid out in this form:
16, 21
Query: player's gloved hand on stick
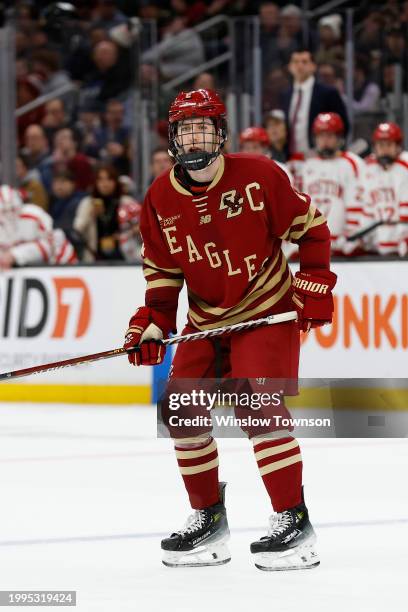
147, 328
313, 297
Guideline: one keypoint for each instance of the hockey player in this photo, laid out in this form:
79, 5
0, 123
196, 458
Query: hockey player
216, 222
27, 235
332, 178
386, 193
256, 140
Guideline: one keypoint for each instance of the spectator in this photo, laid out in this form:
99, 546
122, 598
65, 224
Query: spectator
65, 156
64, 200
160, 162
180, 50
290, 35
370, 36
192, 11
46, 64
326, 74
107, 220
107, 15
29, 183
366, 92
276, 129
112, 137
28, 89
54, 118
305, 99
395, 47
35, 145
330, 49
275, 84
204, 80
89, 121
112, 74
269, 22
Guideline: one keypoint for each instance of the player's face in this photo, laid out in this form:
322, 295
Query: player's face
327, 140
251, 146
197, 134
387, 148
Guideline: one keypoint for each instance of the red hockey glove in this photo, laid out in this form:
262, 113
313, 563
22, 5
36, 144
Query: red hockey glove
313, 298
147, 328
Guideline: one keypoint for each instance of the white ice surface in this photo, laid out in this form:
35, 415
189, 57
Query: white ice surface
87, 492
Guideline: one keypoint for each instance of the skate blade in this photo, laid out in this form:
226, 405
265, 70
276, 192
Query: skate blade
301, 557
212, 554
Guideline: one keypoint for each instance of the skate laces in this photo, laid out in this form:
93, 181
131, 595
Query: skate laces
278, 523
195, 521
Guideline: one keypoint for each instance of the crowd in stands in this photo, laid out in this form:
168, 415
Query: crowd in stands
74, 151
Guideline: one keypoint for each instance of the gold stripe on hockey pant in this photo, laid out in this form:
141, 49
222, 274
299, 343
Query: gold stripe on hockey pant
275, 450
197, 469
192, 454
278, 465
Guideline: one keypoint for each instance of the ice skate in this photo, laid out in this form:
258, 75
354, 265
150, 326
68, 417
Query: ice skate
202, 540
289, 544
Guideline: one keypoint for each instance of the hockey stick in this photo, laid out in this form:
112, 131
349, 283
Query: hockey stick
209, 333
369, 228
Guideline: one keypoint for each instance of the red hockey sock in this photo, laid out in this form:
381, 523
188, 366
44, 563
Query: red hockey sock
199, 469
280, 465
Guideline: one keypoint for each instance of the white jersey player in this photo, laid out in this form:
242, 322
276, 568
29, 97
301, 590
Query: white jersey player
386, 193
332, 178
27, 235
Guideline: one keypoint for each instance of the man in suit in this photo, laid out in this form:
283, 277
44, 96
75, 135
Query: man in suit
307, 98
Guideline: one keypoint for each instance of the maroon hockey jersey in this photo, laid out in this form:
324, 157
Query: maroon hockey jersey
225, 243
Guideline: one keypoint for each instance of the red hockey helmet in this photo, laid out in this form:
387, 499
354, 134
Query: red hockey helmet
197, 103
254, 134
328, 122
388, 131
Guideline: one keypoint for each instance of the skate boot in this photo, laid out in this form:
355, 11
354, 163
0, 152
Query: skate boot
202, 540
289, 543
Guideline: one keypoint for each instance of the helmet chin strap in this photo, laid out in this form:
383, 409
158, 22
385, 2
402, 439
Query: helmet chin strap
197, 160
327, 153
385, 160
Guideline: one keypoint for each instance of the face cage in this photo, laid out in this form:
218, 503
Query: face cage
200, 159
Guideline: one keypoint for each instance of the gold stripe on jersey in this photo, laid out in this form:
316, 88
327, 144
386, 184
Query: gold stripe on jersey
259, 284
164, 282
264, 288
246, 314
213, 183
149, 272
304, 220
148, 263
315, 222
